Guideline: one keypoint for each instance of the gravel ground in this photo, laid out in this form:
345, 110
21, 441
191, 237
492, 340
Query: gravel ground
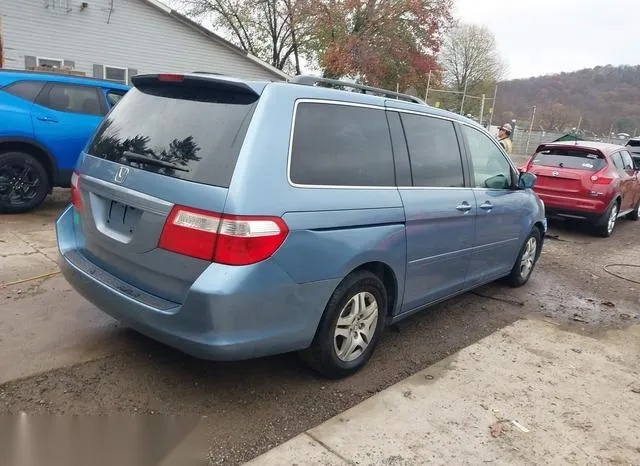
252, 406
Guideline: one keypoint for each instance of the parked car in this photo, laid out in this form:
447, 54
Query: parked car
590, 181
235, 219
633, 146
46, 119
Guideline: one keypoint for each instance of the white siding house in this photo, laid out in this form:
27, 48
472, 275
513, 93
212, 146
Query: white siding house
116, 39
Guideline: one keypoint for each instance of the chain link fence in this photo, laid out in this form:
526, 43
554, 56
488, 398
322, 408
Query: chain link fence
525, 143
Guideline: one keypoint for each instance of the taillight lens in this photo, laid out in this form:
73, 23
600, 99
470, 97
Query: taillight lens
598, 177
76, 200
225, 239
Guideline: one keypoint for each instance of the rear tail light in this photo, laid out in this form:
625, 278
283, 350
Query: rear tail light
76, 200
597, 178
225, 239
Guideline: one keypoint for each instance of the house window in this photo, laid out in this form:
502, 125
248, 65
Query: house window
61, 4
116, 74
53, 63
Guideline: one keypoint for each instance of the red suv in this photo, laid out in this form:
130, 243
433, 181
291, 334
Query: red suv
588, 181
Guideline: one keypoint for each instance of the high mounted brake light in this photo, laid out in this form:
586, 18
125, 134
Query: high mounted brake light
224, 239
171, 78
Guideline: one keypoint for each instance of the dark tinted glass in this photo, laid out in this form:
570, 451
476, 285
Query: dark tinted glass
341, 145
199, 131
72, 99
565, 158
434, 151
633, 143
27, 90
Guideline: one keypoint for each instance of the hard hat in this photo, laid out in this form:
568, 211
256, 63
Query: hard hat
507, 127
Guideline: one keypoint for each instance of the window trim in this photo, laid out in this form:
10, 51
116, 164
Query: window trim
50, 59
384, 109
126, 74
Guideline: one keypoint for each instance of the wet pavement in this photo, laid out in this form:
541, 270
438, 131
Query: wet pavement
59, 354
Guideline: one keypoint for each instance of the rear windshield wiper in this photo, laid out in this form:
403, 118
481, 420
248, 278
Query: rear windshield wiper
151, 161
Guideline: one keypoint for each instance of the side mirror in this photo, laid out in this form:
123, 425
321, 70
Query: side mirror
526, 180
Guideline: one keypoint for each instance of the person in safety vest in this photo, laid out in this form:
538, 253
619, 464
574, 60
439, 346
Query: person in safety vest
503, 136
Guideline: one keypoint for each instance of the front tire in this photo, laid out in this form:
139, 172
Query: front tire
526, 261
23, 182
350, 327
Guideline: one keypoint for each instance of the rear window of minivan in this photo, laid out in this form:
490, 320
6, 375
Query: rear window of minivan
185, 132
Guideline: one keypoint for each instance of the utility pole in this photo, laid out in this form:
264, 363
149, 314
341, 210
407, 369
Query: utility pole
426, 95
533, 116
482, 109
464, 94
579, 123
493, 106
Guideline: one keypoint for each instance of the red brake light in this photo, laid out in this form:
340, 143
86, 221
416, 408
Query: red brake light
597, 177
76, 200
225, 239
172, 78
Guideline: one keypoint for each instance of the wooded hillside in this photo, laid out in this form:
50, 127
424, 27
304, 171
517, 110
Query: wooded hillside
606, 98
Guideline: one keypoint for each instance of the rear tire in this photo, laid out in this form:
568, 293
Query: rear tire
635, 215
23, 182
607, 222
526, 261
350, 327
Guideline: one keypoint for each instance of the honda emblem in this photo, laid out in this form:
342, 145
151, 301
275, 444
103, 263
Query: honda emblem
121, 174
555, 173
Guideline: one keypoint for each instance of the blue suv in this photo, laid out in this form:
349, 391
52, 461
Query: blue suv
235, 219
45, 121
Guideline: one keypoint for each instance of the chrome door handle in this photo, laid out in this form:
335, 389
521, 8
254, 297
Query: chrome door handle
486, 206
464, 207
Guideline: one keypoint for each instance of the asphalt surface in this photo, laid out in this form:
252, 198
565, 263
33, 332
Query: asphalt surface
59, 354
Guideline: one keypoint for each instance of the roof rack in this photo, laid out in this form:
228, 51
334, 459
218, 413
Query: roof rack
314, 80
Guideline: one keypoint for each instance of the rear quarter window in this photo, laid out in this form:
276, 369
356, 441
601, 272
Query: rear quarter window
27, 90
341, 145
574, 159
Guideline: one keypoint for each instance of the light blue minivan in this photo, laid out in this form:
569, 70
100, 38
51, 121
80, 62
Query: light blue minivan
235, 219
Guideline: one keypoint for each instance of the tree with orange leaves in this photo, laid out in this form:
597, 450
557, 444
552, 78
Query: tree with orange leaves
379, 42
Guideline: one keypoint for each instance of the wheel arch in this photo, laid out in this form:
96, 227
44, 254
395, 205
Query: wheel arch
37, 150
389, 279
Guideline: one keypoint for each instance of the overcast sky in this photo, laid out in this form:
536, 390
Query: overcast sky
539, 37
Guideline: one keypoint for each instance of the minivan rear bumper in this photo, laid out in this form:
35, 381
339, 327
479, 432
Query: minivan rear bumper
230, 313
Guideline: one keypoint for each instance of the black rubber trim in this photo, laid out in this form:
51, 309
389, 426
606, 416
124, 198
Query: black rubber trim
84, 265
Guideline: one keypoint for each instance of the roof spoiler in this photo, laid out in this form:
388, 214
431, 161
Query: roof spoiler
197, 80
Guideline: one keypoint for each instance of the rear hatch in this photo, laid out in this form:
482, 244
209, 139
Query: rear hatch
172, 140
565, 170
